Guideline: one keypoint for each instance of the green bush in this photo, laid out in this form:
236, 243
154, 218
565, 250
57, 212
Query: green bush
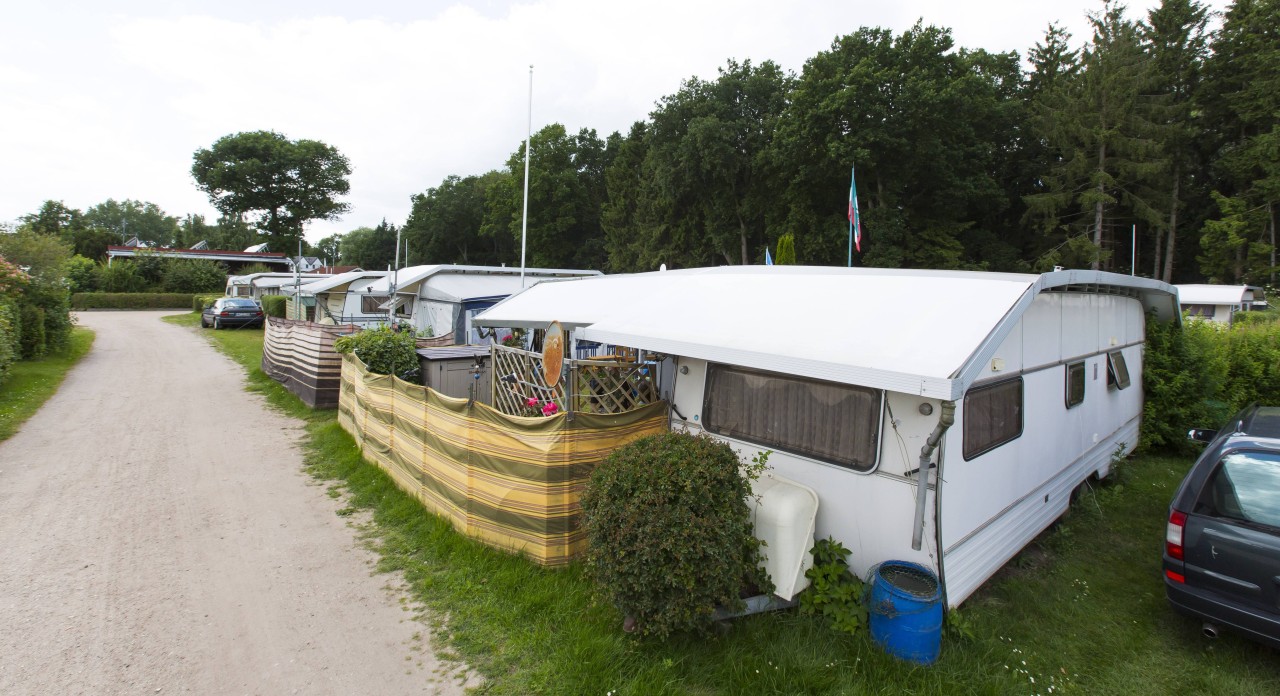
120, 276
82, 274
194, 275
1251, 352
384, 351
131, 300
274, 305
669, 531
9, 335
1198, 374
200, 302
1181, 381
32, 341
834, 592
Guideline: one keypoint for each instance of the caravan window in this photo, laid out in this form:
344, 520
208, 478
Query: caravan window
1117, 371
834, 423
992, 416
1075, 384
370, 304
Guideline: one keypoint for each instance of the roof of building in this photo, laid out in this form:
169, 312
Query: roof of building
212, 254
913, 331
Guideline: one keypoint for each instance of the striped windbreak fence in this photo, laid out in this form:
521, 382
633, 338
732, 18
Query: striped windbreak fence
512, 482
300, 355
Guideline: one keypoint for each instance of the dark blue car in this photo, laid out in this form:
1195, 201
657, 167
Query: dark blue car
1222, 543
232, 312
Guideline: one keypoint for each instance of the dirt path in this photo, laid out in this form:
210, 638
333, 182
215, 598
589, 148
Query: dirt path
157, 535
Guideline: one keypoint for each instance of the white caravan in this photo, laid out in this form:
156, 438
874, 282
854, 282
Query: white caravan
1218, 302
258, 285
442, 299
341, 299
1011, 389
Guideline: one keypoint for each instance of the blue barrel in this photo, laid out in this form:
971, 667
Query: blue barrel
906, 611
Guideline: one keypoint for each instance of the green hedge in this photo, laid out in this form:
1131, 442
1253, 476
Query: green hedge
200, 302
1196, 375
131, 300
9, 332
274, 305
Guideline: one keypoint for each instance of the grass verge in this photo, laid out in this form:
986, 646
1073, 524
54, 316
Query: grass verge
32, 382
1080, 611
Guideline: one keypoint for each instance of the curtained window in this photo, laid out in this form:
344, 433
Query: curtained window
370, 304
992, 416
834, 423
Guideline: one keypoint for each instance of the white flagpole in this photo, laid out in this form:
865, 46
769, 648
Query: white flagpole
524, 217
395, 279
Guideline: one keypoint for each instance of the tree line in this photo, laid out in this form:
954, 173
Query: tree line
1153, 130
1151, 145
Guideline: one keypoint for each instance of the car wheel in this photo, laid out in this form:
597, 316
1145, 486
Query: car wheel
204, 323
216, 324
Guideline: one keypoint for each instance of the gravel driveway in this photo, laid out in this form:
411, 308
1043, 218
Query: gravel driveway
157, 535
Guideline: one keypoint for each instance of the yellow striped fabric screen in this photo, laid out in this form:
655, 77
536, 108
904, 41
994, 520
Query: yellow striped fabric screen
512, 482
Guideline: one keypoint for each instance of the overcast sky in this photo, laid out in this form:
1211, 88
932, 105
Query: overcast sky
106, 100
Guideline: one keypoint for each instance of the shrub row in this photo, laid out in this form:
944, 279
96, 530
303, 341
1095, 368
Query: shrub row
9, 332
131, 300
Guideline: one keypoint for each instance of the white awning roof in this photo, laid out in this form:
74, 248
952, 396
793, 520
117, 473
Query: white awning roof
908, 331
340, 281
1214, 294
458, 283
279, 280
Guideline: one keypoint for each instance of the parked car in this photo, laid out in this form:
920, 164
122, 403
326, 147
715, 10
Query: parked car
232, 311
1222, 544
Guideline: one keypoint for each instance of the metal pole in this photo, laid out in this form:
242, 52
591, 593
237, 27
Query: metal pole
395, 278
1133, 249
524, 218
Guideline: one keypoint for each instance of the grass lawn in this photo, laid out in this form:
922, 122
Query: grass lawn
1081, 611
32, 382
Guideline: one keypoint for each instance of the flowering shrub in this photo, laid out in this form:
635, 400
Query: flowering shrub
12, 278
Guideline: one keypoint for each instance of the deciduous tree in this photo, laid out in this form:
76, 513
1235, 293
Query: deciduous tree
282, 183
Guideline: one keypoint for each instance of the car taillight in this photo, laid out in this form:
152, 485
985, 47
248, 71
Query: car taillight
1173, 534
224, 314
259, 313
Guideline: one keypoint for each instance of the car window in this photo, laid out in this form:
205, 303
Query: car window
1246, 486
239, 303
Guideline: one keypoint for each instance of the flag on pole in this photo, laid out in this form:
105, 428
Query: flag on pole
768, 260
855, 221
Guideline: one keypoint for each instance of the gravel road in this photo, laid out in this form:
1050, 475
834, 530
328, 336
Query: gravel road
157, 535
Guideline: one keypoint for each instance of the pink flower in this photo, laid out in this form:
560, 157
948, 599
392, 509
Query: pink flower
550, 408
531, 402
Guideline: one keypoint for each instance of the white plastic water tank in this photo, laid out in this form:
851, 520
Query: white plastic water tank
784, 513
